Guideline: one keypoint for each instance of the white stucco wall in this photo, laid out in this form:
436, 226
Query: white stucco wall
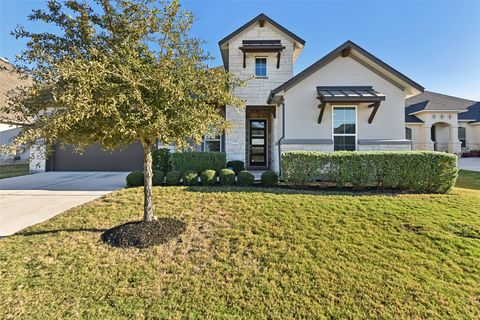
473, 135
301, 104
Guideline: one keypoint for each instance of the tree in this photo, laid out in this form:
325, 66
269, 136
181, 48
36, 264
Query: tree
117, 72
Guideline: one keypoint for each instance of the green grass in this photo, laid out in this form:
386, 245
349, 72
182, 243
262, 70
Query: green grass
468, 180
253, 253
13, 170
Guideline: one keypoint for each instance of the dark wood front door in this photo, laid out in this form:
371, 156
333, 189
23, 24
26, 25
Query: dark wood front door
258, 143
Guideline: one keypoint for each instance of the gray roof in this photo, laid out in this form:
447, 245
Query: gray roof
432, 101
473, 113
342, 49
260, 17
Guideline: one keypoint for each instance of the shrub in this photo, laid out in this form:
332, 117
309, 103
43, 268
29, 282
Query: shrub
208, 178
269, 178
198, 161
245, 179
173, 178
158, 177
161, 160
226, 177
134, 179
236, 166
418, 171
190, 178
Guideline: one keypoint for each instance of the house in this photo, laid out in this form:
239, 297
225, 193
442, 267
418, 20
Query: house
439, 122
9, 127
347, 100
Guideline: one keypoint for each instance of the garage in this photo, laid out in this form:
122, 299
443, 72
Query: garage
94, 158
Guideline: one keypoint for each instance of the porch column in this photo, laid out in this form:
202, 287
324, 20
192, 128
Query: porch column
235, 138
428, 143
454, 145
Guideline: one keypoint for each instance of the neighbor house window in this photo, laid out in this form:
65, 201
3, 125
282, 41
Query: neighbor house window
212, 142
344, 128
408, 133
260, 67
462, 136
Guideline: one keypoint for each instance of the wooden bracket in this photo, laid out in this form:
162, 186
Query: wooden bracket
244, 59
374, 111
279, 54
322, 106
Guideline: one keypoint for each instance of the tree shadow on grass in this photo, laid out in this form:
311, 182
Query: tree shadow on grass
54, 231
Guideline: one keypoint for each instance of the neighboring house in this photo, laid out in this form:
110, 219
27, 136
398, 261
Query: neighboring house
439, 122
9, 129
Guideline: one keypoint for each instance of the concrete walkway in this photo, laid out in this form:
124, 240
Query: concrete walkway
472, 164
31, 199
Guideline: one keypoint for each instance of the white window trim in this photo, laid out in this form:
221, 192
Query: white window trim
207, 139
345, 134
411, 133
255, 67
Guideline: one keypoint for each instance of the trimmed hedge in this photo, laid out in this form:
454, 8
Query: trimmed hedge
198, 161
157, 179
236, 166
161, 160
417, 171
245, 179
190, 178
226, 177
208, 178
134, 179
269, 179
173, 178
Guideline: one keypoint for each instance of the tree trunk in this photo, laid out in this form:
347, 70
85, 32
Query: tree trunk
147, 189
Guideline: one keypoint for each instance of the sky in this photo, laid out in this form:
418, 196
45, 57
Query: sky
435, 43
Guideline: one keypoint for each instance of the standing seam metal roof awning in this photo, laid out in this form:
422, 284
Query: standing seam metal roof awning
355, 94
261, 46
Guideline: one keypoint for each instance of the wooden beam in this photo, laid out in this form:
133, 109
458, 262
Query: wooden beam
322, 106
346, 52
244, 59
374, 111
261, 22
279, 53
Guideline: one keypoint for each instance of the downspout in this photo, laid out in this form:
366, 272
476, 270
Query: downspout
280, 140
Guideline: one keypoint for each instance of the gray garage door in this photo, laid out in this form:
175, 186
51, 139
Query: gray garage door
95, 159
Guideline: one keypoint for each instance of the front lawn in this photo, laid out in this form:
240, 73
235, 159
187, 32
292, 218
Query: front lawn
253, 253
13, 170
468, 180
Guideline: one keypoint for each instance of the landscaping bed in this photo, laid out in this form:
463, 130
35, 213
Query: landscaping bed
253, 253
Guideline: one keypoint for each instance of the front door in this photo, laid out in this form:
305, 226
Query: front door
258, 143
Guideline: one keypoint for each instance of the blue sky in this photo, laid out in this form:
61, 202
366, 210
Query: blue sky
436, 43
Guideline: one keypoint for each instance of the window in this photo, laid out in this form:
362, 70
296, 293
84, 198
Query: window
212, 142
260, 67
462, 136
408, 133
344, 128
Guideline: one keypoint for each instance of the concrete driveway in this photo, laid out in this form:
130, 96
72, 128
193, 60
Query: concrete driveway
472, 164
31, 199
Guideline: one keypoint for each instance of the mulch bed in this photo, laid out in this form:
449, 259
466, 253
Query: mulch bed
142, 234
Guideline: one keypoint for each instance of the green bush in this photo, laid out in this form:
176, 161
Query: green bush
190, 178
158, 176
245, 179
134, 179
161, 160
417, 171
269, 179
226, 177
173, 178
236, 166
198, 161
208, 178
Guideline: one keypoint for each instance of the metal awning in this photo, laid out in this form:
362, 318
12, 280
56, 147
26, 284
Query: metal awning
261, 46
352, 94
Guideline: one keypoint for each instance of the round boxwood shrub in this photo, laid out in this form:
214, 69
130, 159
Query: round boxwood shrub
208, 178
269, 179
236, 166
245, 179
173, 178
190, 178
158, 177
226, 177
134, 179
